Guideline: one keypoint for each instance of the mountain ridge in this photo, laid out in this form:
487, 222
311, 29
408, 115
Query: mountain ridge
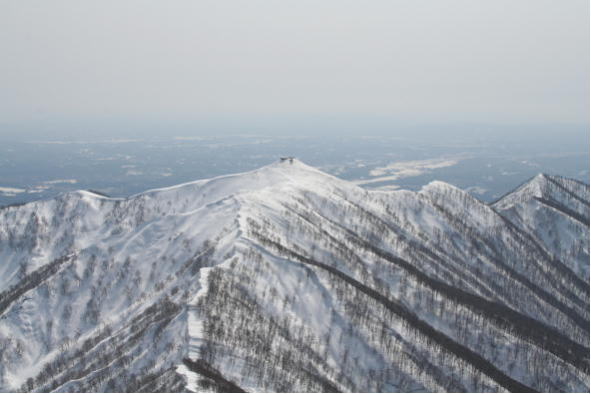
288, 279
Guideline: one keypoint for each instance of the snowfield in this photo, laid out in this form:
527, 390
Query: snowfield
289, 279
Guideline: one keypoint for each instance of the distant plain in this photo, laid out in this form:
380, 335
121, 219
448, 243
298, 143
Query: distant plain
119, 167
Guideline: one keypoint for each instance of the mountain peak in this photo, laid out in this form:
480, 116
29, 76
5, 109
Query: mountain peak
546, 187
280, 279
292, 165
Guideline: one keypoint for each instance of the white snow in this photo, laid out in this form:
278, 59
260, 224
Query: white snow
130, 253
11, 191
405, 169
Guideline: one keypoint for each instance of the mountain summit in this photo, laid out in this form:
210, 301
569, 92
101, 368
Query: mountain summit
289, 279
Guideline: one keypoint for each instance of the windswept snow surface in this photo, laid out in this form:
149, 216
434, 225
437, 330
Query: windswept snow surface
289, 279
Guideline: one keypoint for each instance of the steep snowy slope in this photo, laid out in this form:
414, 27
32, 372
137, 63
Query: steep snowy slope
288, 279
555, 210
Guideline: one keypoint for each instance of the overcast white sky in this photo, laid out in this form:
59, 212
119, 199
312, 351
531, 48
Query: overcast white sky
440, 61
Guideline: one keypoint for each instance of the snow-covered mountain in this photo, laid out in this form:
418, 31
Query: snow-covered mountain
288, 279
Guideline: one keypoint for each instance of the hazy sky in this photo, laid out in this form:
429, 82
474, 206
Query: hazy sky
437, 61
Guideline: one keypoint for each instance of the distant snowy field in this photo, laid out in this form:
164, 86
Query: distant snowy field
39, 169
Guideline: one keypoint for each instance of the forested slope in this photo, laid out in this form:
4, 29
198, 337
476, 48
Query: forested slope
288, 279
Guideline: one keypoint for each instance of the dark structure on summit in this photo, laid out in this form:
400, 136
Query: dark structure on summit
287, 158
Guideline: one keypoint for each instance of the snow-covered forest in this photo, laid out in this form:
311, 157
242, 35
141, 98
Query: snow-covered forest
289, 279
